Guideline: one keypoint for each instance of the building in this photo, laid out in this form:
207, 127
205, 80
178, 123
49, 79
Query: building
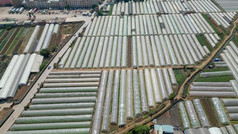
16, 3
81, 3
44, 4
163, 129
5, 2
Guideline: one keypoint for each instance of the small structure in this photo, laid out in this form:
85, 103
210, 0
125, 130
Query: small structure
7, 23
163, 129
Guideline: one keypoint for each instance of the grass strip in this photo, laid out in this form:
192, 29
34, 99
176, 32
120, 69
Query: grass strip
221, 35
110, 11
204, 42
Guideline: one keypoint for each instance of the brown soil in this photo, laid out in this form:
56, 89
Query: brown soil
52, 41
25, 40
33, 47
206, 103
113, 127
170, 117
129, 52
10, 41
215, 24
20, 93
4, 112
3, 65
138, 120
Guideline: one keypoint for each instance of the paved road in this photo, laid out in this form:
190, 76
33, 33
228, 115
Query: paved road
20, 107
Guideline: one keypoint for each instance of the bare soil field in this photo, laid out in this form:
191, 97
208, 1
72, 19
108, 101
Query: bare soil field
170, 117
207, 105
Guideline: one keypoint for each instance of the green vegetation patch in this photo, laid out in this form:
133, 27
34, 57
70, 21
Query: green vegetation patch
235, 39
43, 65
217, 69
181, 75
2, 45
221, 35
215, 79
110, 11
2, 31
11, 48
203, 41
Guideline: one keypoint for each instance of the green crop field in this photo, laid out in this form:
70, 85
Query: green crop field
203, 41
13, 45
2, 31
215, 79
2, 45
221, 35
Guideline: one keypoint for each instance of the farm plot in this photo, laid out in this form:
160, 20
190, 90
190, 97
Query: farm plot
231, 108
61, 109
6, 39
204, 113
223, 19
16, 75
212, 89
14, 43
132, 93
8, 44
168, 7
140, 51
149, 25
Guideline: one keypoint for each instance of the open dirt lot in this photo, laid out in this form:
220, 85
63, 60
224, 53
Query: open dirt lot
170, 117
23, 17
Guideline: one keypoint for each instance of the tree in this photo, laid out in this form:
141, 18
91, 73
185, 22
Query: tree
53, 48
94, 6
66, 6
45, 52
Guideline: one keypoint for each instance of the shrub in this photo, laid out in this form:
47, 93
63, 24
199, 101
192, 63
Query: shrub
171, 96
42, 66
53, 48
94, 6
45, 52
143, 129
8, 27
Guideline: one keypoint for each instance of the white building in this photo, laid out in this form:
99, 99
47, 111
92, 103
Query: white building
42, 4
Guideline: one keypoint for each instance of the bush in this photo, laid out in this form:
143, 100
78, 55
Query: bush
94, 6
8, 27
171, 96
45, 52
3, 57
53, 48
42, 66
67, 6
100, 13
143, 129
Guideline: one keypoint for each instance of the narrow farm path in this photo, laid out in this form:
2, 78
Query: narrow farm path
167, 104
206, 62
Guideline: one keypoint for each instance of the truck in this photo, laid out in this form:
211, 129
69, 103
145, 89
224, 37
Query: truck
21, 10
10, 11
35, 10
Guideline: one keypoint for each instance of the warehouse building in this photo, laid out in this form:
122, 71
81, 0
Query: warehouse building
59, 3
